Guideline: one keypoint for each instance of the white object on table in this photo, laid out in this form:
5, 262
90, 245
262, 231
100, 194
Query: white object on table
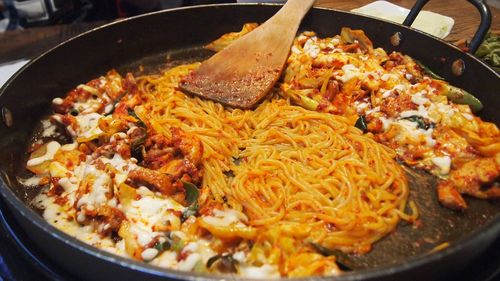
429, 22
9, 68
261, 1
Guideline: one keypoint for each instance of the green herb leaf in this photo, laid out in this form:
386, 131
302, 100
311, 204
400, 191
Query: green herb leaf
361, 124
163, 246
343, 260
115, 102
74, 112
422, 123
137, 147
132, 113
190, 211
192, 192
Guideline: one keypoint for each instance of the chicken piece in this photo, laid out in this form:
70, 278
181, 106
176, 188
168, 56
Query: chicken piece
358, 37
450, 197
108, 218
469, 179
152, 178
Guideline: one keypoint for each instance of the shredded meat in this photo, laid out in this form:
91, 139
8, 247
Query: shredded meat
396, 104
76, 95
120, 146
190, 146
159, 151
130, 99
177, 157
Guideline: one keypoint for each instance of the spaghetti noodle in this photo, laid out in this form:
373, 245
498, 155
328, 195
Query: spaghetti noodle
156, 175
294, 167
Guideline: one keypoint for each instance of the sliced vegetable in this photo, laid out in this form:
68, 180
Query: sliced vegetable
229, 231
226, 263
428, 71
132, 247
461, 96
308, 103
343, 260
489, 51
361, 124
199, 267
177, 243
40, 159
126, 194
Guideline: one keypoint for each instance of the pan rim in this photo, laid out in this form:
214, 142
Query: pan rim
491, 227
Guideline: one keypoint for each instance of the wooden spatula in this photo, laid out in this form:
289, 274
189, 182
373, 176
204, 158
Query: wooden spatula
244, 72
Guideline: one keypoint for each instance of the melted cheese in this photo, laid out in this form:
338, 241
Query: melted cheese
443, 163
58, 101
311, 49
226, 218
262, 272
350, 72
148, 212
48, 129
88, 125
100, 186
189, 263
32, 181
52, 148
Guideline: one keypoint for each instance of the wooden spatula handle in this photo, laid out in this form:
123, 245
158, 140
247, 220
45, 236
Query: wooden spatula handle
294, 9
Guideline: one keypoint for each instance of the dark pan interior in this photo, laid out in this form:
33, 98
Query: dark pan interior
162, 40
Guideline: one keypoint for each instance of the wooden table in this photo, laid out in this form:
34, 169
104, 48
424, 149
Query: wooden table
31, 42
465, 15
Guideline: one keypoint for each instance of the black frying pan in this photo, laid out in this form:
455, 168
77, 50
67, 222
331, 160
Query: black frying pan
146, 40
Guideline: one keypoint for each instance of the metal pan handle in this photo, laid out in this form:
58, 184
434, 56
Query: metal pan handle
481, 31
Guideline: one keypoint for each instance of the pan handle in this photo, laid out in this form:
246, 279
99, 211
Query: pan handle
481, 31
